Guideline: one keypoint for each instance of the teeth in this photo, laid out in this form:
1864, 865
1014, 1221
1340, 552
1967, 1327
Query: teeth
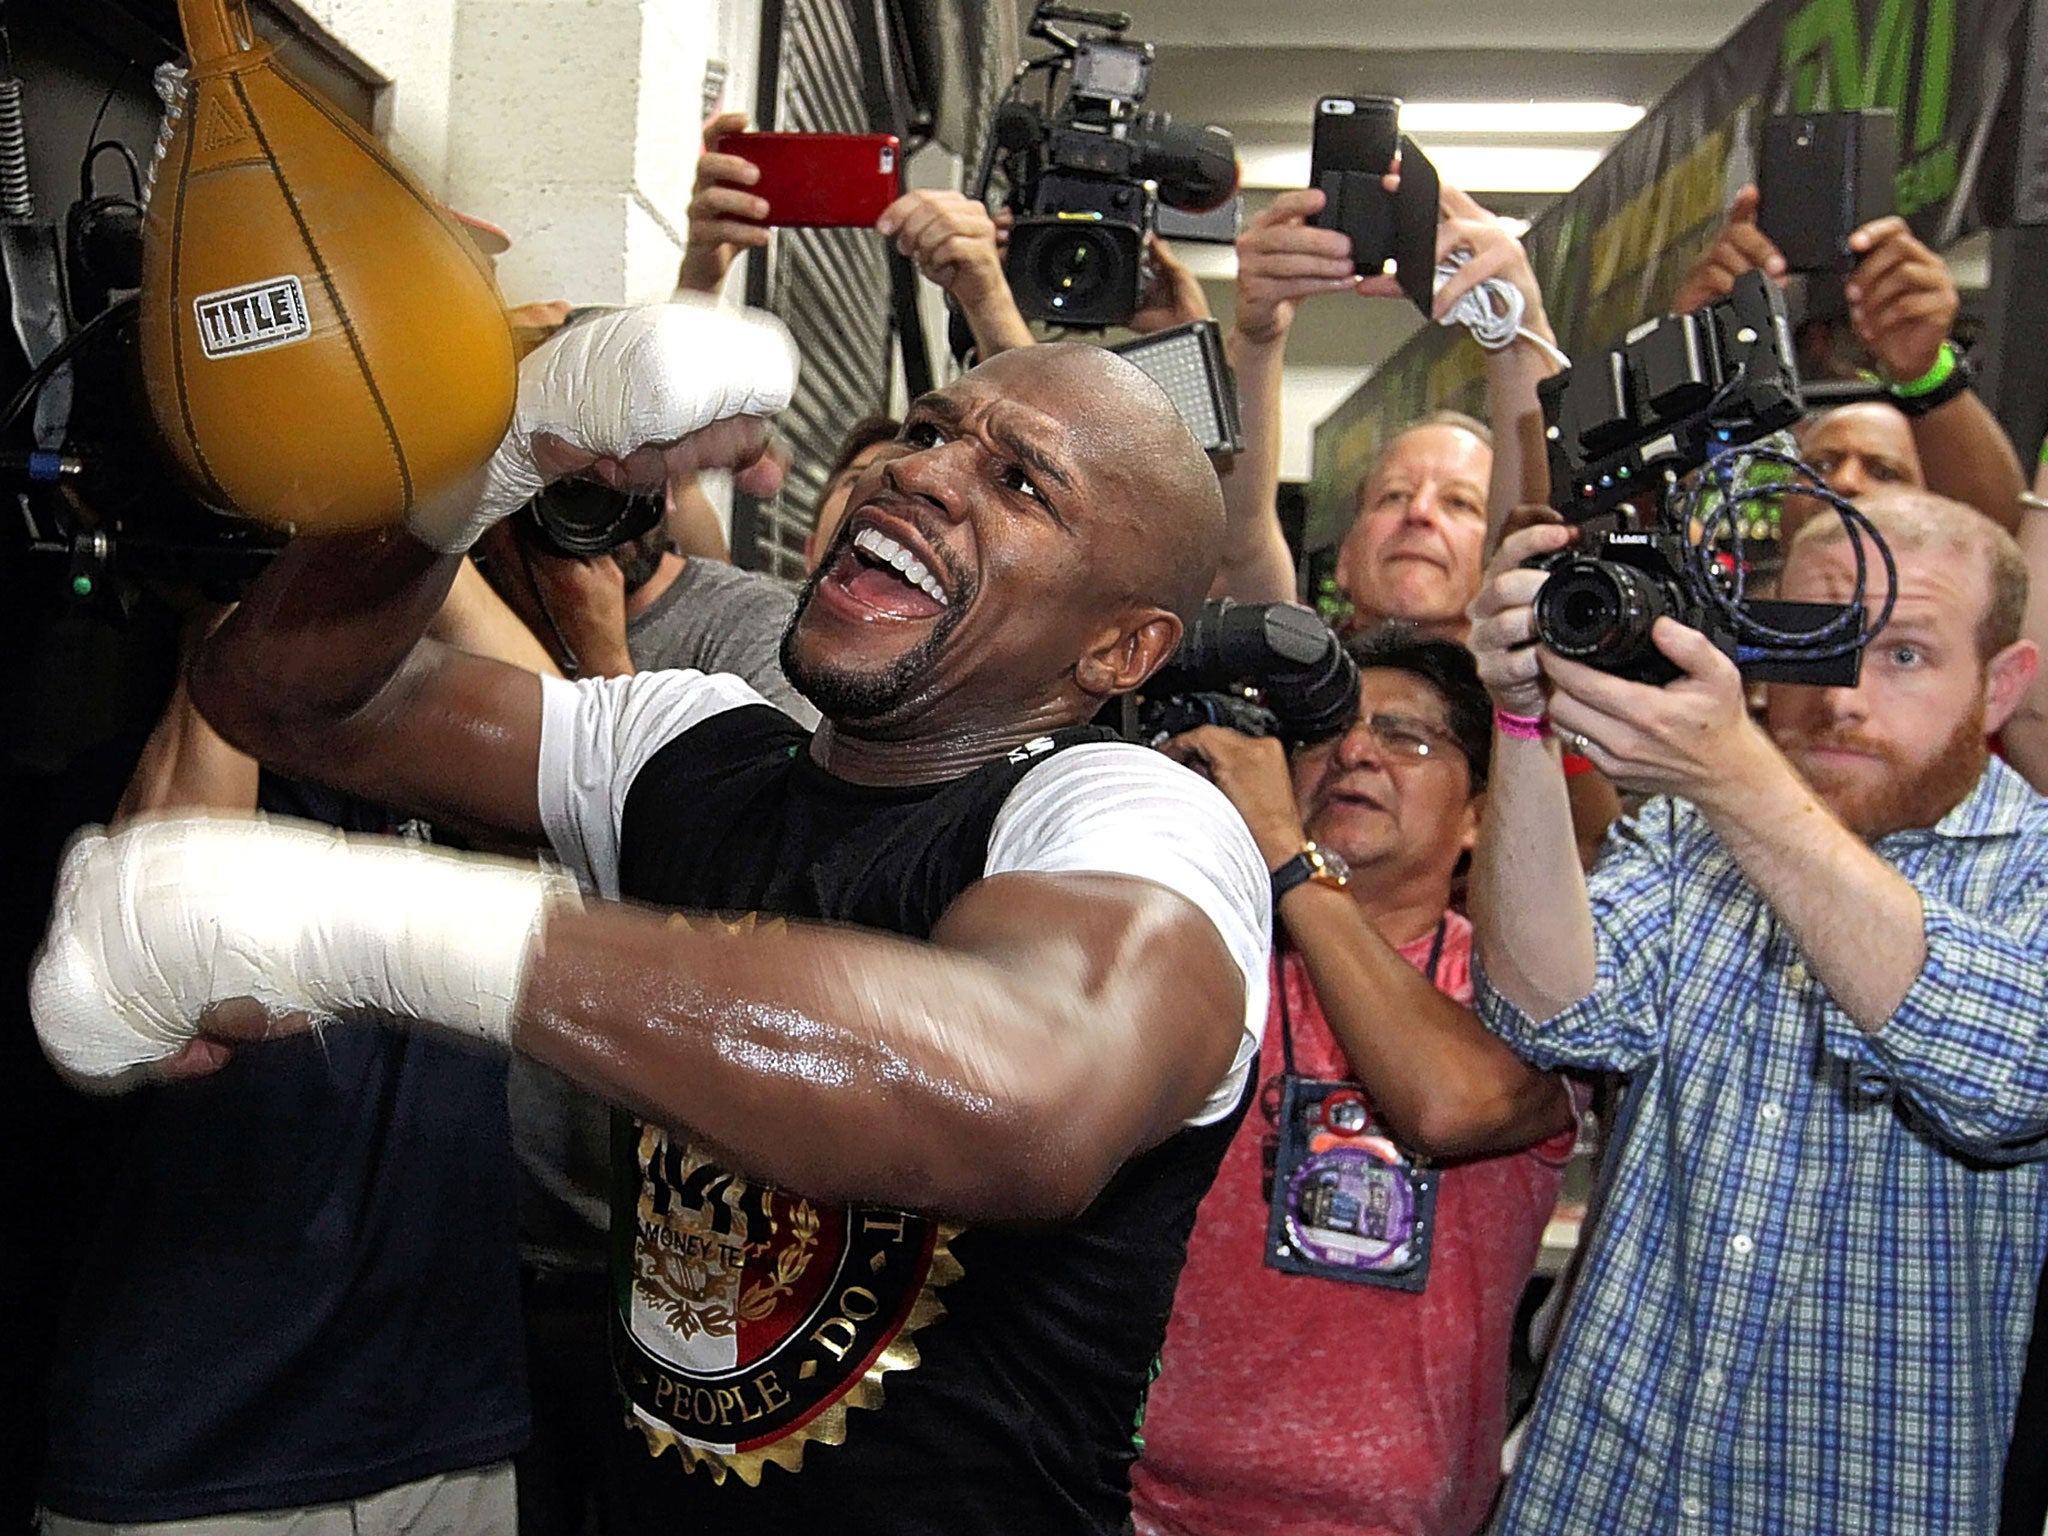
906, 565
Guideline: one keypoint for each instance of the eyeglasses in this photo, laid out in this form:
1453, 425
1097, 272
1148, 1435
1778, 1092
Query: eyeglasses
1407, 739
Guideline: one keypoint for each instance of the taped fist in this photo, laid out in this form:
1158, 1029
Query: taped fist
632, 396
158, 925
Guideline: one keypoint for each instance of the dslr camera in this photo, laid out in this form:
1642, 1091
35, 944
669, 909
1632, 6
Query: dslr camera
1687, 396
1086, 177
1261, 669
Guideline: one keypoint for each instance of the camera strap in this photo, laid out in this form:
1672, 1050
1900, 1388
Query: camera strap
1346, 1201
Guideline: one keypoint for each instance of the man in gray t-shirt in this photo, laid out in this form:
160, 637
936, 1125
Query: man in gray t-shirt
717, 618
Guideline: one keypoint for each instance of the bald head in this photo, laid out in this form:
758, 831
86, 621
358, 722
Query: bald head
1161, 490
1920, 522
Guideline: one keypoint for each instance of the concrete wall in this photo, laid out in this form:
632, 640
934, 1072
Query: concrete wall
572, 124
410, 43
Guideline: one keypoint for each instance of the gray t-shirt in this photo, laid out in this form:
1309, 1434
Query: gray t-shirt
713, 618
718, 618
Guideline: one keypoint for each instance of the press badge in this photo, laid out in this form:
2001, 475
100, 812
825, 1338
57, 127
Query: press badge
1346, 1202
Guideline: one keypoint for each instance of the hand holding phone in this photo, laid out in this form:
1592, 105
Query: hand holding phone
723, 209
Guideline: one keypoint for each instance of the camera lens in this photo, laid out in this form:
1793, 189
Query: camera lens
583, 518
1600, 613
1076, 268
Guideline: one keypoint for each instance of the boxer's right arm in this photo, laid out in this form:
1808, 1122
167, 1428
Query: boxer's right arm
324, 672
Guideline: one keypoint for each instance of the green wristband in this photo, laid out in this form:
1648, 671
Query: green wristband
1932, 379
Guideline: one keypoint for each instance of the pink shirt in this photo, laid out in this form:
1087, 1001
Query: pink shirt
1291, 1404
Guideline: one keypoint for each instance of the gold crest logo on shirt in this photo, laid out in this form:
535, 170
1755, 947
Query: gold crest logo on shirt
751, 1320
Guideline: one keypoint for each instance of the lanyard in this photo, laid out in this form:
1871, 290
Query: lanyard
1436, 954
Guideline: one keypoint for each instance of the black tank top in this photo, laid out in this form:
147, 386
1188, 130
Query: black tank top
805, 1368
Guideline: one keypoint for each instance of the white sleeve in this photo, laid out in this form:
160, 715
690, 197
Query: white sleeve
1119, 809
596, 734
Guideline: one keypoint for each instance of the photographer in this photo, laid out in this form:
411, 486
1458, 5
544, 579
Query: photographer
1820, 961
949, 237
1902, 306
1298, 1405
1417, 549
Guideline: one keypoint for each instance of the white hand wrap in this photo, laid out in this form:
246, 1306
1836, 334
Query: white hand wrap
617, 382
162, 920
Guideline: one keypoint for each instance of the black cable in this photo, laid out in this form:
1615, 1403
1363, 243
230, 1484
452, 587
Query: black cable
572, 664
1717, 499
85, 190
62, 353
92, 134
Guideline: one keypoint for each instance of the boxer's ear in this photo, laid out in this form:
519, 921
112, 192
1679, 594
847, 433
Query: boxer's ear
329, 356
1123, 658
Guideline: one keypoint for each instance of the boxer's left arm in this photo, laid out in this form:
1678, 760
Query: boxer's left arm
1056, 1023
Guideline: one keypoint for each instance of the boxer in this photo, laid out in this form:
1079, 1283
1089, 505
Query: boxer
905, 1172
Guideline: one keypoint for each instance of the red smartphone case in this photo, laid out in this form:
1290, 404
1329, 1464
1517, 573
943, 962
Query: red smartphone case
821, 180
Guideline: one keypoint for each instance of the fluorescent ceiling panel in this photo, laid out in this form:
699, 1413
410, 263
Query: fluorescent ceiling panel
1507, 118
1478, 168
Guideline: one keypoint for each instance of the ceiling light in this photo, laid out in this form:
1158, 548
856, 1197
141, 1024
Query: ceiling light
1478, 168
1483, 168
1518, 117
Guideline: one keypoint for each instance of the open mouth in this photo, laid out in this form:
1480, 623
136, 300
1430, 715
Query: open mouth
888, 578
878, 551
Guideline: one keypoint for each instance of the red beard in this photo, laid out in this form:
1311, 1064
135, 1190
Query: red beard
1903, 797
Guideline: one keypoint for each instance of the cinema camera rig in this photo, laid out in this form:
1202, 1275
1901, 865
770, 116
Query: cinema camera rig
1676, 417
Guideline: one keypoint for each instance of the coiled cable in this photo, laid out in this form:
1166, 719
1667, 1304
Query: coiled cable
17, 198
1492, 311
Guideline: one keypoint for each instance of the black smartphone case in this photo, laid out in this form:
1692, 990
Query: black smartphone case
1353, 145
1823, 175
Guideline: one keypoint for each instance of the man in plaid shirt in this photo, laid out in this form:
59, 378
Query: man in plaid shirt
1822, 962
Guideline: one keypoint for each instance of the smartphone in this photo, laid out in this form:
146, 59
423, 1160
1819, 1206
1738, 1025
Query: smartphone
1822, 176
821, 180
1352, 146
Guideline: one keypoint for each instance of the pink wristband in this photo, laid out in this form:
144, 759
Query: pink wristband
1521, 727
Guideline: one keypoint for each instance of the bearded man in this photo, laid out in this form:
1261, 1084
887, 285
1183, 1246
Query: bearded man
1821, 960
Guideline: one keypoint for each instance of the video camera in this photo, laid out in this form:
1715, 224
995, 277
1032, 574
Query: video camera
1261, 669
1688, 393
1086, 173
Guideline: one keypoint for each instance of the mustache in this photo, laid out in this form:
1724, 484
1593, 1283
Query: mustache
1836, 741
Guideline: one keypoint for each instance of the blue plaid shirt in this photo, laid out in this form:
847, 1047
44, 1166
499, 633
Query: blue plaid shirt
1807, 1299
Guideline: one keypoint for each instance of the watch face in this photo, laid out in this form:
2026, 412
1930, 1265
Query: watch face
1331, 870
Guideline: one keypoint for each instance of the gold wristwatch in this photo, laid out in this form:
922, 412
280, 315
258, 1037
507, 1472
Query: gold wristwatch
1312, 863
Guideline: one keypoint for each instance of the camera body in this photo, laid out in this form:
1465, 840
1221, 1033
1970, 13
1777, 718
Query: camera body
1261, 669
1682, 393
1604, 595
1087, 177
